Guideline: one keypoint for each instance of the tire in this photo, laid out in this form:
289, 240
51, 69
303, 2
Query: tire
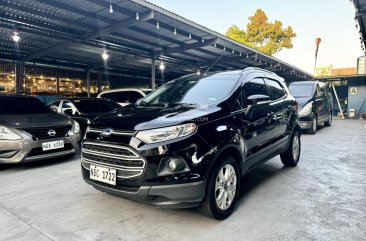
314, 126
291, 156
211, 205
329, 121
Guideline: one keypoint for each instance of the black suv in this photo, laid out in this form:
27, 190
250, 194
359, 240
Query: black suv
315, 104
188, 143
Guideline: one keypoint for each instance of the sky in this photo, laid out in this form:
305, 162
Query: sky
331, 20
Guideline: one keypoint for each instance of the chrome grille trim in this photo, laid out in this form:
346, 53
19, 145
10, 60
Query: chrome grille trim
113, 165
109, 156
115, 132
107, 166
116, 156
114, 146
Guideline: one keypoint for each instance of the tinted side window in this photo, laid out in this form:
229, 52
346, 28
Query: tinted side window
122, 97
255, 87
134, 96
109, 96
54, 105
276, 89
38, 107
14, 106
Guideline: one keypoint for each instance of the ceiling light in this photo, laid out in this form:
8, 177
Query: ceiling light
110, 7
203, 40
137, 16
198, 72
157, 25
105, 56
162, 66
190, 36
175, 31
16, 37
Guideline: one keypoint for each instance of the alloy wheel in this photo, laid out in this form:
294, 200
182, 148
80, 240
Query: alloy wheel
225, 188
295, 147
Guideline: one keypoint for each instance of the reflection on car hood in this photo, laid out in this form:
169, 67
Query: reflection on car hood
34, 120
142, 118
302, 101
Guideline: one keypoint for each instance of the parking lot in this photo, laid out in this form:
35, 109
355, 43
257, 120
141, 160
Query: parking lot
324, 198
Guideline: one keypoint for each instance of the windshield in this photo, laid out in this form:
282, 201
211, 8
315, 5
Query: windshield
22, 106
93, 106
302, 90
195, 90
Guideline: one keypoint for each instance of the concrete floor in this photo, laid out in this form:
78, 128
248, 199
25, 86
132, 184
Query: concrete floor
324, 198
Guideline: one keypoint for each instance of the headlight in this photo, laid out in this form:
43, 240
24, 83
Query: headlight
7, 134
166, 133
306, 110
76, 128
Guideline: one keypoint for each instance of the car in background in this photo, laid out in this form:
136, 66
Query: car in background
315, 104
188, 143
125, 96
83, 110
30, 131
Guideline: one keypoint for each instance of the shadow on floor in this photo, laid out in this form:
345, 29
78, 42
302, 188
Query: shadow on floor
38, 164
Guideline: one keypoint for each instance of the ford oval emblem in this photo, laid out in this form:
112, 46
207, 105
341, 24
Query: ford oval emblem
107, 132
51, 133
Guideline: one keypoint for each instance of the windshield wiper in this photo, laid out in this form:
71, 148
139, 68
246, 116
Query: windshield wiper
183, 104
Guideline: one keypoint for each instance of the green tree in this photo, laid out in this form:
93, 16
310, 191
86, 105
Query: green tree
263, 35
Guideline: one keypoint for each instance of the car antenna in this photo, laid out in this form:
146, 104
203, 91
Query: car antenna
212, 64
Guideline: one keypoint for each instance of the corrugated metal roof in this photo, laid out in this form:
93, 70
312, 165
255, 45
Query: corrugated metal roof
360, 18
68, 31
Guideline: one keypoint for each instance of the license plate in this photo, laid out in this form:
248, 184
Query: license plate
102, 174
52, 145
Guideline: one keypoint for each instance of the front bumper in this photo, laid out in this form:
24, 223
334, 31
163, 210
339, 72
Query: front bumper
306, 122
27, 149
186, 195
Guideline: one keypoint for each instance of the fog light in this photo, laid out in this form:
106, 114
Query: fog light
176, 165
172, 165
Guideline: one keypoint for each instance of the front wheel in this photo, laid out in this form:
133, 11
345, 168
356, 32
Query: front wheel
329, 121
291, 156
222, 190
314, 126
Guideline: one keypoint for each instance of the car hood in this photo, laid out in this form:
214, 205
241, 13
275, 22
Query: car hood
34, 120
302, 101
142, 118
93, 115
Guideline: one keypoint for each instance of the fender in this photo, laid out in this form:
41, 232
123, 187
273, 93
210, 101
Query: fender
233, 148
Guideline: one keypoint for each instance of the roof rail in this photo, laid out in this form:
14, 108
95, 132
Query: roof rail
255, 68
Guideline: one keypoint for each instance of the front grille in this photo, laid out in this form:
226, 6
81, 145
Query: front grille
109, 150
122, 158
41, 133
38, 150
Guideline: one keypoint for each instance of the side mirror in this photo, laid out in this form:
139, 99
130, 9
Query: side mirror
138, 101
256, 99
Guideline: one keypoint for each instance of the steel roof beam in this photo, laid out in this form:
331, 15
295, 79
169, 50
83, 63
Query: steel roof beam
78, 11
44, 14
186, 47
115, 27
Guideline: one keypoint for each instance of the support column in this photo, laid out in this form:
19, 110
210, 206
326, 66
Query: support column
88, 82
152, 74
19, 77
57, 85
